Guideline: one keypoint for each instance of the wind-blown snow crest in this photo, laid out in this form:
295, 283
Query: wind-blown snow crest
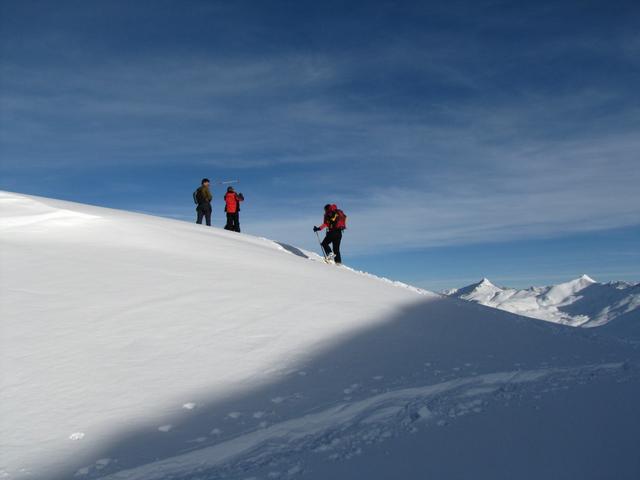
16, 211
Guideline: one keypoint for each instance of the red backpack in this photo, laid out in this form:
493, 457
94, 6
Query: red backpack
341, 220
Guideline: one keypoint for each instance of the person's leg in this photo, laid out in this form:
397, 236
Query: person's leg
200, 216
326, 242
229, 225
336, 245
236, 220
207, 215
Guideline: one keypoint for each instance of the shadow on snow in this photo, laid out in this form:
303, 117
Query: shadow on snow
292, 249
430, 342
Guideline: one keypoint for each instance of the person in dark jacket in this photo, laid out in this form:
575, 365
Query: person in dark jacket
232, 208
335, 222
202, 196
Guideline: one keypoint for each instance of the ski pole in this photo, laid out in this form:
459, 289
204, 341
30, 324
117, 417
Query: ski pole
324, 254
227, 182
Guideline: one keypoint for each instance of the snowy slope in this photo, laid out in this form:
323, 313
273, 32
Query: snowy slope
135, 347
581, 302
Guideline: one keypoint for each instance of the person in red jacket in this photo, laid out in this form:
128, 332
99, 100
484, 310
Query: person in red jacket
335, 221
232, 208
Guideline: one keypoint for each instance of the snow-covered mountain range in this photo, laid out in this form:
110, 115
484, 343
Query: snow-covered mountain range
581, 302
141, 348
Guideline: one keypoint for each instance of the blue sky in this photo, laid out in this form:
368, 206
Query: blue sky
463, 138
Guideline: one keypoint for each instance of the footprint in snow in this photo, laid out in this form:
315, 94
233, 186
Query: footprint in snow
197, 440
424, 413
76, 436
234, 415
294, 470
378, 377
99, 465
215, 431
258, 414
352, 388
189, 406
102, 463
165, 428
290, 398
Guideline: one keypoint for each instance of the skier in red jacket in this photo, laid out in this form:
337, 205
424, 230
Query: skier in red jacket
335, 221
232, 207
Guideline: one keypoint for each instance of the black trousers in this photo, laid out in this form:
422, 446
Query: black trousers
233, 222
204, 211
333, 238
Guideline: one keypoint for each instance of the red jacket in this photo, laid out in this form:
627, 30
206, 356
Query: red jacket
232, 202
334, 219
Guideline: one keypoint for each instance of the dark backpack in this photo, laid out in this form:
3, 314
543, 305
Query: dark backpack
198, 197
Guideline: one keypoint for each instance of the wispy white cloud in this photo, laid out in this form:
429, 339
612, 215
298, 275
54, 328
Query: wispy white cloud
414, 167
493, 189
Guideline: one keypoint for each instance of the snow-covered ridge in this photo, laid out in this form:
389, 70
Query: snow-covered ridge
19, 211
580, 302
100, 292
139, 347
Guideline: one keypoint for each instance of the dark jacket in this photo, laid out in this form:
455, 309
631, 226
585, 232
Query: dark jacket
203, 196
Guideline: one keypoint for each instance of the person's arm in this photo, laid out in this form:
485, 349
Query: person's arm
240, 197
323, 226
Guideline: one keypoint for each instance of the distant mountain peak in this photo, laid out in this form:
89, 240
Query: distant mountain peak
577, 283
587, 278
485, 282
483, 289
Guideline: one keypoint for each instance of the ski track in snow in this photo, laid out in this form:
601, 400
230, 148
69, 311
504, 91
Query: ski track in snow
344, 430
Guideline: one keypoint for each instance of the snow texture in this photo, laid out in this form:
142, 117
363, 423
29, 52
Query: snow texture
134, 347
